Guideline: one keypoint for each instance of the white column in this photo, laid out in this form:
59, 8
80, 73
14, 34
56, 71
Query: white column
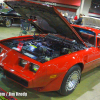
84, 8
87, 4
82, 5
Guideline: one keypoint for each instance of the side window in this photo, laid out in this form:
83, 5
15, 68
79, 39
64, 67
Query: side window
87, 36
98, 40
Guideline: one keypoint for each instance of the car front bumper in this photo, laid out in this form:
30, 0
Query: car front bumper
18, 77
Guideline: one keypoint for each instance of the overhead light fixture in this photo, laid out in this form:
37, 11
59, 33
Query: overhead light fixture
95, 7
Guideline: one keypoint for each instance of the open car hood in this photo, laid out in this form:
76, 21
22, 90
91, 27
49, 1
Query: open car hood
56, 23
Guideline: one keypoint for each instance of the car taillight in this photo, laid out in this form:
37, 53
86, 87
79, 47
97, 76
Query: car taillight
1, 49
34, 67
22, 62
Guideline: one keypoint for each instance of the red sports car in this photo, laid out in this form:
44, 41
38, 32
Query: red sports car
54, 59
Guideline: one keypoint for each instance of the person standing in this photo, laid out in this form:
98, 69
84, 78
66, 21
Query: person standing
0, 6
66, 16
79, 20
75, 18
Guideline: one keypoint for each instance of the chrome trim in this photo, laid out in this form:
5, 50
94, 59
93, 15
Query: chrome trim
92, 61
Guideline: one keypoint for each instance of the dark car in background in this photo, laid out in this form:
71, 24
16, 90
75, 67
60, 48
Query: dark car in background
9, 18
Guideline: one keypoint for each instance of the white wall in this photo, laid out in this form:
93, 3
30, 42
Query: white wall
84, 8
78, 11
87, 4
1, 1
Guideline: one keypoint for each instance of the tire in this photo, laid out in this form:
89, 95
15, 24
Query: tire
70, 81
7, 23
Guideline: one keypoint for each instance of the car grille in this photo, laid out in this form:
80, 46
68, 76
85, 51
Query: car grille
16, 78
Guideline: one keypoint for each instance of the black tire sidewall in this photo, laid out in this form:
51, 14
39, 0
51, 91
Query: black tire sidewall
71, 70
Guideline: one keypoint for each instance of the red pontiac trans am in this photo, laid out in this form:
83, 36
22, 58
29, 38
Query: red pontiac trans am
54, 59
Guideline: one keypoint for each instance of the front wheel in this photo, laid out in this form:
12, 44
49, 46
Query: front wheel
7, 23
70, 80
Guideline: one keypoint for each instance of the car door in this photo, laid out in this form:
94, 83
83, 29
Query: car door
93, 57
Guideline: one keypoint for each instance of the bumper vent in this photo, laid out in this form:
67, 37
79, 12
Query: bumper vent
16, 78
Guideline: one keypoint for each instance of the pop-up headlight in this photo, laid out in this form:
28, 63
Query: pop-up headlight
34, 67
22, 62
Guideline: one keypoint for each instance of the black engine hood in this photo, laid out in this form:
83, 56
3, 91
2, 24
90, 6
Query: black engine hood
58, 23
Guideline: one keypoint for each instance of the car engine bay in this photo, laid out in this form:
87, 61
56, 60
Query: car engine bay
44, 48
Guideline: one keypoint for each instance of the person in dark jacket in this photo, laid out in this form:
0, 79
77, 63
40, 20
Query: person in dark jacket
0, 6
66, 16
79, 20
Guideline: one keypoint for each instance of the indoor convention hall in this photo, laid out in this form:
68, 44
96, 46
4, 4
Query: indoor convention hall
49, 49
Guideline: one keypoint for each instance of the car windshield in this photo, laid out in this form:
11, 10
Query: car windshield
12, 12
87, 36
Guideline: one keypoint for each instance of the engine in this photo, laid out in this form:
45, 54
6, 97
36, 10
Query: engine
43, 49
